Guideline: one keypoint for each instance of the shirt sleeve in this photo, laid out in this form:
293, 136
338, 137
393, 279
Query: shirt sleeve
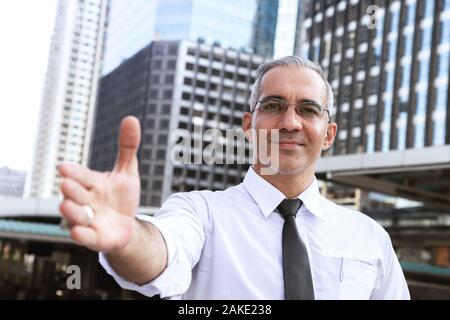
391, 283
182, 221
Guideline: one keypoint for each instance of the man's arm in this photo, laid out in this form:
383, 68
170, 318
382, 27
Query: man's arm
391, 283
144, 258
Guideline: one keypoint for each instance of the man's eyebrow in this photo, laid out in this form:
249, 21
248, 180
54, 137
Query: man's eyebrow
273, 97
284, 99
309, 101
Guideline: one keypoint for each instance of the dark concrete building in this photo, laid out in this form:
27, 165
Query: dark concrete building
172, 85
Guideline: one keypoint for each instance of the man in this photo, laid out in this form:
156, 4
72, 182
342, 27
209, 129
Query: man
271, 237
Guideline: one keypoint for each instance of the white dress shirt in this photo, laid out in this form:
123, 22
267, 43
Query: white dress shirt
227, 245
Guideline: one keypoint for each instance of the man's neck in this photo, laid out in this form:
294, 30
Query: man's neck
291, 185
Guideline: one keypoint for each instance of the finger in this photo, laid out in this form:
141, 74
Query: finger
85, 236
73, 213
74, 191
86, 177
129, 139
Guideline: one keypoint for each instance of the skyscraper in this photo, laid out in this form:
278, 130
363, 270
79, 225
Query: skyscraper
388, 63
239, 24
70, 91
264, 27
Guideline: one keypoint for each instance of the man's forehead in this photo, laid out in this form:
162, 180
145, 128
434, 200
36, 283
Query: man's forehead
295, 81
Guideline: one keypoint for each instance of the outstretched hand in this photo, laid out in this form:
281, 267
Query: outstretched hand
113, 196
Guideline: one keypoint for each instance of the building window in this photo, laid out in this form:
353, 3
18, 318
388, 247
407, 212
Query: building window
189, 66
243, 64
200, 84
241, 78
157, 185
191, 173
162, 139
151, 109
161, 154
202, 69
164, 124
166, 109
158, 169
357, 117
147, 153
157, 64
184, 111
167, 94
228, 75
153, 94
149, 138
155, 201
155, 78
186, 96
171, 64
230, 60
191, 51
356, 142
173, 49
169, 79
199, 98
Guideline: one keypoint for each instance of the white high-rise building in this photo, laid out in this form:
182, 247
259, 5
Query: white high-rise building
69, 93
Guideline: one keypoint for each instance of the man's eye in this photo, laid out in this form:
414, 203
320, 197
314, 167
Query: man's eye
271, 107
310, 111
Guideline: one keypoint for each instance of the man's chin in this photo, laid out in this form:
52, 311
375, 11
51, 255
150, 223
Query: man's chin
282, 170
291, 171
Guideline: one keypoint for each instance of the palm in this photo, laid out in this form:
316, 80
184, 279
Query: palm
116, 210
122, 192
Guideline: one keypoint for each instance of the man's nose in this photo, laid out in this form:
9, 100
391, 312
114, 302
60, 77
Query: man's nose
290, 120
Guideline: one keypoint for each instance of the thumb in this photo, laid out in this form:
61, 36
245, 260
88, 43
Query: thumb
129, 140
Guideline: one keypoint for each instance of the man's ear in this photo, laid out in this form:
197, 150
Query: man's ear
247, 126
329, 138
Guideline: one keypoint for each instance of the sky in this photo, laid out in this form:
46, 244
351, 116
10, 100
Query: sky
25, 31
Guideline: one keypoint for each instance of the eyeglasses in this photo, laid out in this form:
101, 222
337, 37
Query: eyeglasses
306, 109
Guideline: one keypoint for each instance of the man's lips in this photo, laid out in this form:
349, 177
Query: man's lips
290, 145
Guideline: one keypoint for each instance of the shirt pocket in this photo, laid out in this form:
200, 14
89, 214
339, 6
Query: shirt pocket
357, 277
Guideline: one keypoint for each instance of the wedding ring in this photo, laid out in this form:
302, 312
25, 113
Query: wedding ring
65, 224
89, 214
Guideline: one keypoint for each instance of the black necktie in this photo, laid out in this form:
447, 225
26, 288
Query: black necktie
298, 283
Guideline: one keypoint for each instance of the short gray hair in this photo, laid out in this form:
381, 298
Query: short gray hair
285, 62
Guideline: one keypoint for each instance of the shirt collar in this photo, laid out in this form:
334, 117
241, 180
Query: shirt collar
267, 197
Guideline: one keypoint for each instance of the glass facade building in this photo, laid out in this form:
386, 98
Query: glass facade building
286, 31
239, 24
389, 68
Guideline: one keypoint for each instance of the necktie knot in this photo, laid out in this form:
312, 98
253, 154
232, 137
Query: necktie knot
289, 207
